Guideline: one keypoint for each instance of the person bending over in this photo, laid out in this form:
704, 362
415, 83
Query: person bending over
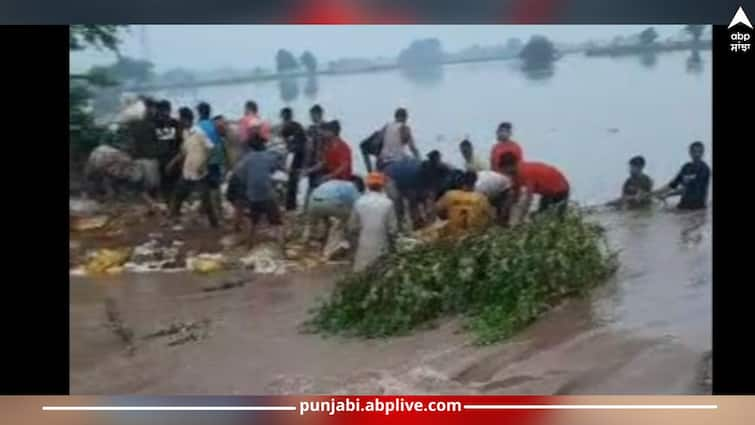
535, 178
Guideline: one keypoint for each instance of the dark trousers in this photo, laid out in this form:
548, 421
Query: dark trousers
556, 203
214, 176
185, 188
292, 189
168, 178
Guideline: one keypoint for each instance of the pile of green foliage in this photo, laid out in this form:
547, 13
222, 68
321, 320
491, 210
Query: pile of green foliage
499, 281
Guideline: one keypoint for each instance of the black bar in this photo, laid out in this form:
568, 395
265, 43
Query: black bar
34, 336
378, 11
733, 295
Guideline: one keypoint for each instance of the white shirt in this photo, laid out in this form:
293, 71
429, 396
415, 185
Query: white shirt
196, 148
374, 217
491, 183
393, 147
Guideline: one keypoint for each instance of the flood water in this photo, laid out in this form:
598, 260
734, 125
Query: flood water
647, 330
588, 118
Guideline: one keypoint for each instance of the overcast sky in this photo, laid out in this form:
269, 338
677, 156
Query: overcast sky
209, 47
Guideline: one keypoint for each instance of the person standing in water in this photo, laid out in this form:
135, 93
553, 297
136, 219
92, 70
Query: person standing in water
535, 178
397, 136
471, 161
373, 221
504, 145
691, 182
638, 188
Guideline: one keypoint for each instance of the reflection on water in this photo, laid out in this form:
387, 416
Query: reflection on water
538, 73
694, 62
289, 89
430, 75
649, 59
311, 87
663, 285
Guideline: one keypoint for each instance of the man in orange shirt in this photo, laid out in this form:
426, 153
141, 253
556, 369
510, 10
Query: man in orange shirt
336, 156
535, 178
503, 146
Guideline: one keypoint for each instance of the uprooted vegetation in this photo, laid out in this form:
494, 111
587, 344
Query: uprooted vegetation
498, 281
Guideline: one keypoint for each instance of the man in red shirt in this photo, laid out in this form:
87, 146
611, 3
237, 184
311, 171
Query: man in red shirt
503, 146
535, 178
336, 156
251, 123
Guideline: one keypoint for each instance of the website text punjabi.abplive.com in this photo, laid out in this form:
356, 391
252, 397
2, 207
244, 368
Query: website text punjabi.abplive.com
397, 405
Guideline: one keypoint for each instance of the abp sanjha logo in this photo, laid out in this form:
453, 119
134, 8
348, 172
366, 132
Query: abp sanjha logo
740, 30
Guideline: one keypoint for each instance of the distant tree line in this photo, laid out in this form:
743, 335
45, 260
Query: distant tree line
285, 61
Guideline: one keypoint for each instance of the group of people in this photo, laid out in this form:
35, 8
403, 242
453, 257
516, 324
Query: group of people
178, 157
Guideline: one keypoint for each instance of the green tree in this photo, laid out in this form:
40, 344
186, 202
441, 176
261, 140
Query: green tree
285, 61
309, 62
648, 36
539, 52
696, 31
83, 132
100, 37
422, 53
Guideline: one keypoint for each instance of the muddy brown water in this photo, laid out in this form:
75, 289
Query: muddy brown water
647, 330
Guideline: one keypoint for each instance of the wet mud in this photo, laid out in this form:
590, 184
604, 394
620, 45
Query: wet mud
647, 330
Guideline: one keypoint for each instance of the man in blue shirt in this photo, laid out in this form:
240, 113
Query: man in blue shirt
333, 199
217, 155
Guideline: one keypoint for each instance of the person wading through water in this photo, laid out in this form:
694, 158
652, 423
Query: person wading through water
638, 188
372, 223
691, 182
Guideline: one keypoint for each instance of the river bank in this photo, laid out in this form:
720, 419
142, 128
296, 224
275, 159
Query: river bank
645, 331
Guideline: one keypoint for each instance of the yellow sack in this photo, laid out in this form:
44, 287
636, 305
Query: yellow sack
105, 259
82, 224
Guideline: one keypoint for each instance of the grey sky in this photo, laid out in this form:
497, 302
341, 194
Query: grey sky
208, 47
